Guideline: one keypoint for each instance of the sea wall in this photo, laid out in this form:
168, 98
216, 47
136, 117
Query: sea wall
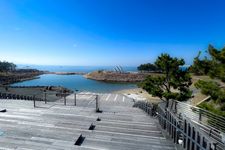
66, 73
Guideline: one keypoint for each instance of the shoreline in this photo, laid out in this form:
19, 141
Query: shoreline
12, 78
28, 79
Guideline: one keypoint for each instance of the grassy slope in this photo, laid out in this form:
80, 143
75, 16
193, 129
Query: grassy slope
211, 105
198, 96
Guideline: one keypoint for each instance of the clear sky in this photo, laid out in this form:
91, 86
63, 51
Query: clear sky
107, 32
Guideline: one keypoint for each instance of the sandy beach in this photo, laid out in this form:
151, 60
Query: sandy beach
139, 94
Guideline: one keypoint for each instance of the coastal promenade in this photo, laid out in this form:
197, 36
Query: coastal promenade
58, 126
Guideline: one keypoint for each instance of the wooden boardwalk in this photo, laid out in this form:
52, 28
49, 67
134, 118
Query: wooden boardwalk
55, 126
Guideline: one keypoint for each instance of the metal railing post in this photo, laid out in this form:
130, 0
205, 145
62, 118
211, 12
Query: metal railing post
97, 108
75, 99
34, 101
175, 107
64, 99
146, 107
200, 115
45, 98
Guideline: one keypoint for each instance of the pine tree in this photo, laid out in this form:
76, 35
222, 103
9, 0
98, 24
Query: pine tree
172, 84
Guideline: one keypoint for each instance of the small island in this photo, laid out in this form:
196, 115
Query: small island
111, 76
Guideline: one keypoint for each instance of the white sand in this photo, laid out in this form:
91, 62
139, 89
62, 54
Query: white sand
139, 94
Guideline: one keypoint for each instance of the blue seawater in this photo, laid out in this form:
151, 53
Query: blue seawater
76, 82
85, 69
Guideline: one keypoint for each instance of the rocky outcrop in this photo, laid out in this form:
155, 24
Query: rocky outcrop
18, 76
109, 76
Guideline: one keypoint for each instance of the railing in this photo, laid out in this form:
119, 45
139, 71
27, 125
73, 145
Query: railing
149, 108
10, 96
44, 99
204, 117
96, 100
187, 125
64, 96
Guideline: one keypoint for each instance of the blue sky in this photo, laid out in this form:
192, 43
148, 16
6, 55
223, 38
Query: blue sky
107, 32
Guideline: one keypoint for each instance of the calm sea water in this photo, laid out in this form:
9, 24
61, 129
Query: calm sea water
76, 82
85, 69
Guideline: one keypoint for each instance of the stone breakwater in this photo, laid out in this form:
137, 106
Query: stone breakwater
53, 93
66, 73
116, 77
